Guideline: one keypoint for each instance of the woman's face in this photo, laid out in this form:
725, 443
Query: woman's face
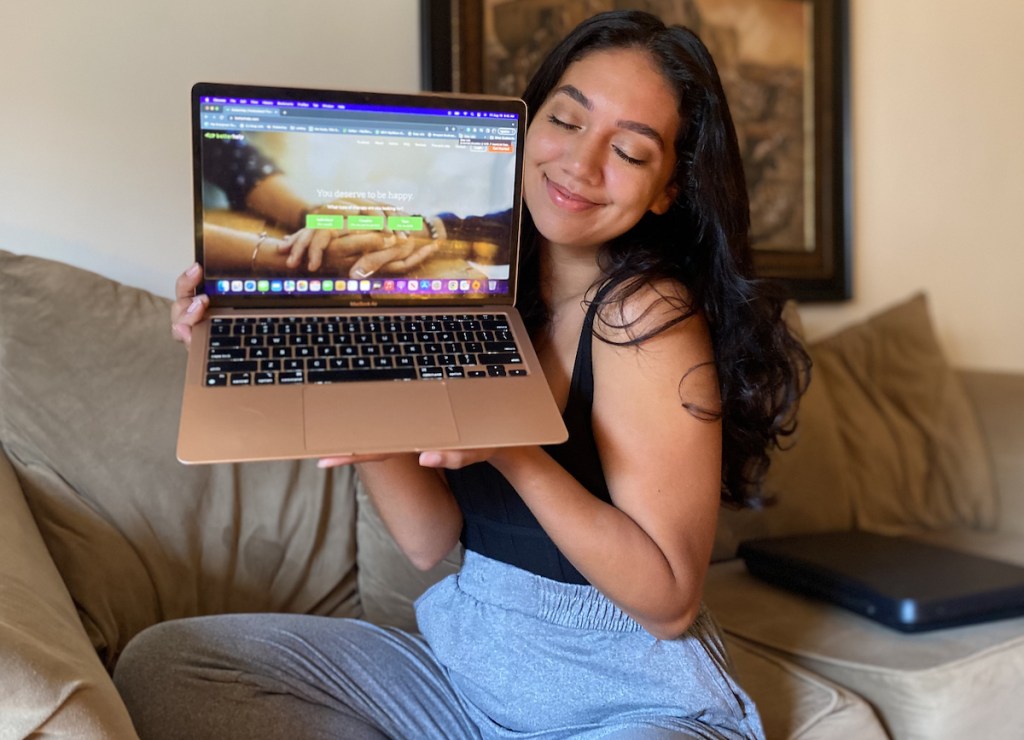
600, 150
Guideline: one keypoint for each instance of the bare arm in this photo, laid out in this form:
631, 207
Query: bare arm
273, 198
414, 502
649, 551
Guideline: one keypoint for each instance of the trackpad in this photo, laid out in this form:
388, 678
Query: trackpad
390, 416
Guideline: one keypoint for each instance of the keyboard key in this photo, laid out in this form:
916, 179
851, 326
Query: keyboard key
499, 358
341, 376
232, 353
232, 366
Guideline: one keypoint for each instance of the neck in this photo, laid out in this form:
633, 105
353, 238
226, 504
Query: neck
566, 274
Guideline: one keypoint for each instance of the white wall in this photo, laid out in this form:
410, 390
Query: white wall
96, 166
938, 149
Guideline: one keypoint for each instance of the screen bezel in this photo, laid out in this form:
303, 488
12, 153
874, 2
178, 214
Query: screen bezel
452, 101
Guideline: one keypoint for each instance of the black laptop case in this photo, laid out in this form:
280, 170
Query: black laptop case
903, 583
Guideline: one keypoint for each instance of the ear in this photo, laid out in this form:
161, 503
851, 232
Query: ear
665, 200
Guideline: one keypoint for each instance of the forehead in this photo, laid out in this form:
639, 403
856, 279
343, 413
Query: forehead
626, 83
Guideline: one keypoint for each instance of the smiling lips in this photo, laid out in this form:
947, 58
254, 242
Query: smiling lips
567, 200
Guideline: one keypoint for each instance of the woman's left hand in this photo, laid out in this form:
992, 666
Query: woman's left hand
450, 459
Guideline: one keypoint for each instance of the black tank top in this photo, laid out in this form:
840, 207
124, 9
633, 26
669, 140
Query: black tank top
498, 524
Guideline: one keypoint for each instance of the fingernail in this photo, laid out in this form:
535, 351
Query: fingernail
193, 270
360, 273
430, 459
194, 305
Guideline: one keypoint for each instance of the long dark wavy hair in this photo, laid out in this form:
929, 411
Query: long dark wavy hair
702, 242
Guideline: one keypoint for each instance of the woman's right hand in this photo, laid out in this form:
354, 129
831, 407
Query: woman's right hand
188, 307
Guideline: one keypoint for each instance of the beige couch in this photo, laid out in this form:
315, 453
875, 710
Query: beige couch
103, 533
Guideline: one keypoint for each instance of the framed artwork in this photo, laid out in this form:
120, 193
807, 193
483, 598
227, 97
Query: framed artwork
783, 65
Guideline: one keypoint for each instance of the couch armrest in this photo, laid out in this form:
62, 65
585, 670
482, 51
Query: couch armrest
51, 680
999, 401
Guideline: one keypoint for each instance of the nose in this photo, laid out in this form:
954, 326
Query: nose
583, 161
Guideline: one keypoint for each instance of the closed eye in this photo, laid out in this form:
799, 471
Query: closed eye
628, 159
573, 127
561, 124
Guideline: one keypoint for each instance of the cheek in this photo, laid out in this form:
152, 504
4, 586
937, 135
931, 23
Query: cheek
639, 191
540, 147
628, 190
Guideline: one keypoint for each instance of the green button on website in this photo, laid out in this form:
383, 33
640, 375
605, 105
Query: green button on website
366, 223
405, 223
324, 221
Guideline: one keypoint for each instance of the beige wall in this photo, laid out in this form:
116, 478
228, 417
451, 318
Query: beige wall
938, 148
938, 165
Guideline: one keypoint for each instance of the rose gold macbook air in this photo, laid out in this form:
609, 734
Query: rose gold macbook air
405, 337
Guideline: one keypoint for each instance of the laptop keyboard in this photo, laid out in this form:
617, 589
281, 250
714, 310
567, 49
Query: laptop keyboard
333, 349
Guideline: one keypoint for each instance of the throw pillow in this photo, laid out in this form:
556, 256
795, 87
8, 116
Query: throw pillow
915, 449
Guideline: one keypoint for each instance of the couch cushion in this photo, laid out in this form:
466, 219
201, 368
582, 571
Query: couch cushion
90, 386
942, 685
914, 449
795, 703
51, 682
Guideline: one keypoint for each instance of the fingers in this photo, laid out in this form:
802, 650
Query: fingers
317, 245
370, 263
454, 459
338, 460
187, 308
358, 243
397, 260
373, 250
414, 259
451, 459
187, 282
309, 244
186, 313
296, 246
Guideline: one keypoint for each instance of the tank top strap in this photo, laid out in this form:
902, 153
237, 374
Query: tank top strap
582, 383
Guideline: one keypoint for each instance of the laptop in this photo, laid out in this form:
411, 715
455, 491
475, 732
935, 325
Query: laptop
900, 582
405, 336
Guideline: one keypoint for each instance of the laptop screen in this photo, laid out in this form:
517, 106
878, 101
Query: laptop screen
306, 197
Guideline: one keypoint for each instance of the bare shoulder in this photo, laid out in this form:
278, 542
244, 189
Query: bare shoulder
644, 311
654, 346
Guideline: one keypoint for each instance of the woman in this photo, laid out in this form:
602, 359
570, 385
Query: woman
577, 612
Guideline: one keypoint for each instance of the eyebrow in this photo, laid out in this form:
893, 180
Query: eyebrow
635, 126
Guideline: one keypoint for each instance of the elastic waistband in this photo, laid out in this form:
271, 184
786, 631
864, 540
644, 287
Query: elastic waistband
563, 604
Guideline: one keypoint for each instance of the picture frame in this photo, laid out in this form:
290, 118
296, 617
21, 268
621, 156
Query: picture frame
784, 66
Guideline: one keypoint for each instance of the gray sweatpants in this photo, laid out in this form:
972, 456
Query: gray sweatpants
503, 654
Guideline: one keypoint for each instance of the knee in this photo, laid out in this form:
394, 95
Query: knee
149, 660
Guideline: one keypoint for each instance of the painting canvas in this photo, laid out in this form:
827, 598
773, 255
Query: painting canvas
781, 63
